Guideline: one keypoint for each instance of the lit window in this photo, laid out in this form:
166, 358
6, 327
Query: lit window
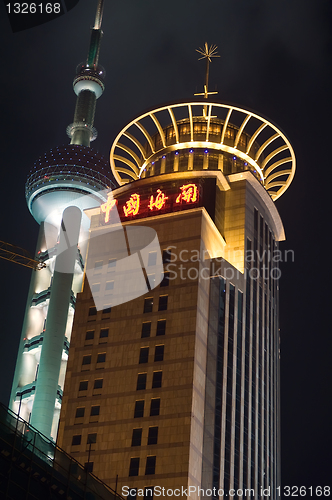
148, 305
153, 435
139, 409
144, 355
146, 329
159, 353
79, 412
150, 465
133, 467
76, 440
94, 411
163, 300
141, 381
157, 379
161, 327
136, 437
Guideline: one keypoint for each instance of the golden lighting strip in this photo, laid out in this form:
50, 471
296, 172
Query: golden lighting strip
274, 179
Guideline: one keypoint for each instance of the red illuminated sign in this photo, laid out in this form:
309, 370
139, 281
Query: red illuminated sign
107, 207
132, 205
188, 194
159, 202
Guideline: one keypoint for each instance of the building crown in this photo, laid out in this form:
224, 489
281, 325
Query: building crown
202, 135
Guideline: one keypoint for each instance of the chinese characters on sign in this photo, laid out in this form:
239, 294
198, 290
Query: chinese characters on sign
159, 201
132, 205
107, 207
188, 194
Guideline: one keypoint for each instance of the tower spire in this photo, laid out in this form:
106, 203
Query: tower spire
207, 53
88, 86
99, 15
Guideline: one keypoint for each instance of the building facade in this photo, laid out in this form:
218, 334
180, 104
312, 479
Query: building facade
179, 388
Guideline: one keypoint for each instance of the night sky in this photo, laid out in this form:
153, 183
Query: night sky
275, 59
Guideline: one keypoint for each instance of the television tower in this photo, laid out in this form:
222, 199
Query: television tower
63, 183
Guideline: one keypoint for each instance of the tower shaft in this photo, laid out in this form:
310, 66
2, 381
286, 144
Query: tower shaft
64, 182
53, 343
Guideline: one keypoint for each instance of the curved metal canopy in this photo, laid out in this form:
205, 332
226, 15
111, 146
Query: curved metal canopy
267, 149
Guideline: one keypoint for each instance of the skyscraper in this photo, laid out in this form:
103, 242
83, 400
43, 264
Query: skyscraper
179, 388
62, 179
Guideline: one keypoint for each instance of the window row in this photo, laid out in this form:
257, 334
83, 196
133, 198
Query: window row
93, 310
94, 411
151, 280
153, 256
77, 439
146, 328
95, 287
103, 334
156, 380
98, 384
101, 358
162, 304
150, 466
144, 354
136, 439
110, 265
148, 306
154, 408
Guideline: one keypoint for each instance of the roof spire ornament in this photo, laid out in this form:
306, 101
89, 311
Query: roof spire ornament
207, 53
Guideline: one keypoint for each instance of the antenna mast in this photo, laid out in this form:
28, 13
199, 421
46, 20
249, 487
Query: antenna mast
207, 53
88, 86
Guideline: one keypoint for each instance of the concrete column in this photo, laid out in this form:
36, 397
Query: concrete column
41, 245
51, 354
